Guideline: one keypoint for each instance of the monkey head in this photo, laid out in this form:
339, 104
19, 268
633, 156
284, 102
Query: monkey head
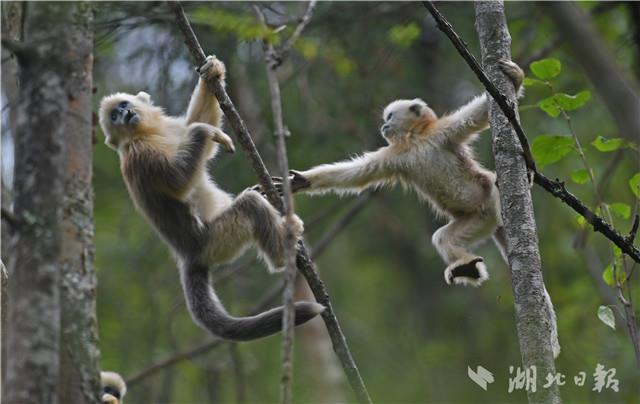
124, 116
403, 117
113, 388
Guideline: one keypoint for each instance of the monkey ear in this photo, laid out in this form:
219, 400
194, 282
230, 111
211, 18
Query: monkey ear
415, 108
144, 97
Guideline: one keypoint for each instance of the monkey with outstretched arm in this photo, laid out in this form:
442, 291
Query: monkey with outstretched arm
432, 156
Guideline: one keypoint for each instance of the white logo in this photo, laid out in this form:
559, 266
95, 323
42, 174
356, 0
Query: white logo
480, 377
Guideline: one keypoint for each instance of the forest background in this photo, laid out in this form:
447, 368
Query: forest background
412, 336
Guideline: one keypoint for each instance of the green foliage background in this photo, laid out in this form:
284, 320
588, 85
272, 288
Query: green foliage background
412, 336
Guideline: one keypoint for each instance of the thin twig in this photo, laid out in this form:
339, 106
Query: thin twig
284, 50
304, 263
272, 62
555, 188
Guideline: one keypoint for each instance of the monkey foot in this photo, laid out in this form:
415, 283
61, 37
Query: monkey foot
472, 273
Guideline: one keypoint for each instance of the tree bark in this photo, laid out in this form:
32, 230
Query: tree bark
34, 297
12, 29
79, 351
619, 94
533, 320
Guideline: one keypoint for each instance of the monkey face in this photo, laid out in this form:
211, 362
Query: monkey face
124, 114
401, 116
121, 115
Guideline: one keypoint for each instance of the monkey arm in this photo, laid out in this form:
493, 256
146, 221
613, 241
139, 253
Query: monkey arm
176, 175
471, 118
203, 106
351, 176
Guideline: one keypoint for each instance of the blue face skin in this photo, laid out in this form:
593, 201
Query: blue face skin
386, 126
124, 114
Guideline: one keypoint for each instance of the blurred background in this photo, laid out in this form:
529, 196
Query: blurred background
412, 336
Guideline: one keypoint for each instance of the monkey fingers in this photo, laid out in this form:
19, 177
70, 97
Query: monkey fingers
298, 181
222, 138
213, 67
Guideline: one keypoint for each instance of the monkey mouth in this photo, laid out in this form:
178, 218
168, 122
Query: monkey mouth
131, 118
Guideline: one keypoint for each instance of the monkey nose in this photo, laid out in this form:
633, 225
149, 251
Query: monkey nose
384, 128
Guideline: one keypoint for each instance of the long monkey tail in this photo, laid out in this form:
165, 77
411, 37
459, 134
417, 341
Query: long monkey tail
207, 310
500, 239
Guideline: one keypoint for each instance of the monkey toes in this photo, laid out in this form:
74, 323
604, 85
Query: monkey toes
465, 273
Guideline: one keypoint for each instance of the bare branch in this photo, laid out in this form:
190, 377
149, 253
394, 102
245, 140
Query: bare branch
304, 263
284, 50
272, 62
555, 188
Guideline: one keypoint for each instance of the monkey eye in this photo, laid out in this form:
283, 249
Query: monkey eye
123, 104
389, 116
114, 116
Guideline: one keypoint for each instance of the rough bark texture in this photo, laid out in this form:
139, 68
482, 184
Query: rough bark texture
79, 352
34, 298
12, 29
532, 319
618, 93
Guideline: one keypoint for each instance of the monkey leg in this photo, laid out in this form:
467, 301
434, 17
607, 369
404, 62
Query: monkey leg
265, 226
452, 242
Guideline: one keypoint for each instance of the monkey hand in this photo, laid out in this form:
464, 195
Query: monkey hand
212, 68
219, 136
298, 181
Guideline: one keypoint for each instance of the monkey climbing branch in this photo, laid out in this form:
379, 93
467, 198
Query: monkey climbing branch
555, 188
304, 263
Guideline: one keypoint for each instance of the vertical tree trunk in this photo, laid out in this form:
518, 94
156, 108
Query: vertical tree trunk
12, 29
53, 353
79, 352
34, 297
533, 319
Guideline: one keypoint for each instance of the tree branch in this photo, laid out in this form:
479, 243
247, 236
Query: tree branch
304, 263
555, 188
272, 61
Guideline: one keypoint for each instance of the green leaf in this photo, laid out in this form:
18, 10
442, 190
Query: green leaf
572, 102
607, 145
605, 314
580, 176
404, 35
634, 183
607, 276
546, 69
529, 82
550, 106
581, 221
548, 149
621, 210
